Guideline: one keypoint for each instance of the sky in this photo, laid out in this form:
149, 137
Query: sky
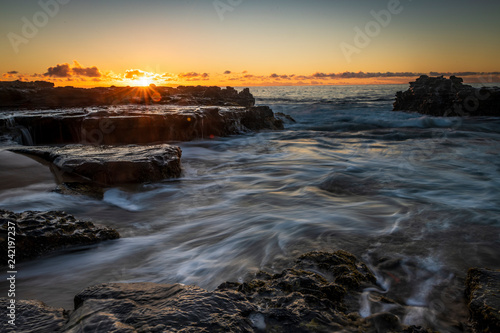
247, 42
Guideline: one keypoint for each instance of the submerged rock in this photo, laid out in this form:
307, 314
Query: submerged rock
438, 96
39, 233
483, 293
346, 184
104, 166
285, 117
311, 296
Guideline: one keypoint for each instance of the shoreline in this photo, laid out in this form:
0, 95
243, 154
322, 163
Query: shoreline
388, 318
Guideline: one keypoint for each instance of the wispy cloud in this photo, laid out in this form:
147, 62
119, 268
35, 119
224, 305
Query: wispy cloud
193, 75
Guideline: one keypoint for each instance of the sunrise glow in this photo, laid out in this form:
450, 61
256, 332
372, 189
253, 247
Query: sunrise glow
143, 82
248, 43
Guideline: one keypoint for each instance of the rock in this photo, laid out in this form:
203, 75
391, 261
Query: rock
36, 317
438, 96
483, 293
131, 124
39, 233
149, 307
104, 166
308, 297
41, 94
285, 118
345, 184
260, 118
385, 322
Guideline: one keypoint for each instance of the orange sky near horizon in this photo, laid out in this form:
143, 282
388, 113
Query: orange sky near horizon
247, 43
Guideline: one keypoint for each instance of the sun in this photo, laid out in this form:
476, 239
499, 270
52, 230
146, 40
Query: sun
144, 81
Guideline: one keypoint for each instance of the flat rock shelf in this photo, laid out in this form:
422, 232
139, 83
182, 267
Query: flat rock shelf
132, 124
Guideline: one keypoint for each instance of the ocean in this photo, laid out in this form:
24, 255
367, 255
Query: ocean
415, 197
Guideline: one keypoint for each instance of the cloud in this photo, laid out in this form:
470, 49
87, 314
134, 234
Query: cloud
10, 74
66, 71
227, 72
63, 70
360, 75
324, 75
278, 77
86, 71
134, 73
194, 76
463, 73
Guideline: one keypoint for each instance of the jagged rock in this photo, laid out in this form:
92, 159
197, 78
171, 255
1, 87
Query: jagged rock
39, 233
135, 125
483, 293
104, 166
438, 96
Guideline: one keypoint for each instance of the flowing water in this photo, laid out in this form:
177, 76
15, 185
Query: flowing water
415, 197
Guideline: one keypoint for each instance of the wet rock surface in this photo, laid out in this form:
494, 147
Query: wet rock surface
36, 317
43, 94
438, 96
104, 166
317, 294
285, 118
132, 124
39, 233
483, 293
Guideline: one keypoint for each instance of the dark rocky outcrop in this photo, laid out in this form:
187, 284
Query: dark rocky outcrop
483, 293
42, 94
104, 166
318, 294
134, 125
438, 96
39, 233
